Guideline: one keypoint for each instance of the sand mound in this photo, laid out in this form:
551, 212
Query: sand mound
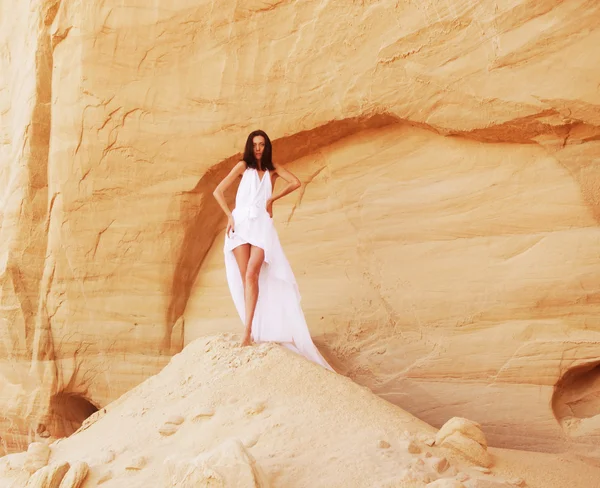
219, 415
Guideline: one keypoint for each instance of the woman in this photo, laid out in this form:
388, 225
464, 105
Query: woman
260, 278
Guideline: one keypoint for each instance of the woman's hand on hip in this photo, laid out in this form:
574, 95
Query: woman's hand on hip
230, 226
269, 207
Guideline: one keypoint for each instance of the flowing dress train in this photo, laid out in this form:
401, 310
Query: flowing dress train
278, 316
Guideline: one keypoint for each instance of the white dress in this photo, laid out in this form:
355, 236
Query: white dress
278, 316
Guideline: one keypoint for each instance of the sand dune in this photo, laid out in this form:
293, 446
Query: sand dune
219, 415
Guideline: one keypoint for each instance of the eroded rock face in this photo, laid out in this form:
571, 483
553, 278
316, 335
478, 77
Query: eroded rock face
422, 259
435, 259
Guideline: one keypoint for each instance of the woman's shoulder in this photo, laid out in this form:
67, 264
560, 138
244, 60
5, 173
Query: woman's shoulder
241, 166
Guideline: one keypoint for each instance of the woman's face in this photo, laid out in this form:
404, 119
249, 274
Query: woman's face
258, 144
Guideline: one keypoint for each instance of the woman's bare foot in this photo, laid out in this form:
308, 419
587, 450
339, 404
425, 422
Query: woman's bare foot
247, 340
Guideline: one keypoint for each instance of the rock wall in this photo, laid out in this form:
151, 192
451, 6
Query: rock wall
445, 238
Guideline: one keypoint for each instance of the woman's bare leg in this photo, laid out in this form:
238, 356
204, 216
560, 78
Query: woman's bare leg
242, 255
257, 256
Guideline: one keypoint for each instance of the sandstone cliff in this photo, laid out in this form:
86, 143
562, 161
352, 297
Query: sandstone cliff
445, 239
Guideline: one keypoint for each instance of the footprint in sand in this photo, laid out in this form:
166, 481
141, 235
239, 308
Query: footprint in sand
202, 413
171, 425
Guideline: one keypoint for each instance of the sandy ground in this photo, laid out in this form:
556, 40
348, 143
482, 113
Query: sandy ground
263, 416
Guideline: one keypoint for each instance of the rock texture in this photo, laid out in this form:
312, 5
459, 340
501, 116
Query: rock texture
75, 476
445, 239
37, 457
49, 476
313, 428
465, 437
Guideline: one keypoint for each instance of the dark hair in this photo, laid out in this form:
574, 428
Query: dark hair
266, 161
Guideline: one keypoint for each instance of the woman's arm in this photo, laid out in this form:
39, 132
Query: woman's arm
226, 182
293, 183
